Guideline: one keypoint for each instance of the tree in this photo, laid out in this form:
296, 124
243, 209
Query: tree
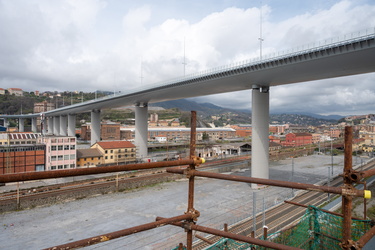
205, 136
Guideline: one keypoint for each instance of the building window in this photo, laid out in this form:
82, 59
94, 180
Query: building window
111, 151
72, 157
53, 158
59, 158
66, 147
106, 151
53, 167
66, 166
72, 166
119, 150
60, 147
60, 167
106, 157
111, 156
72, 147
66, 157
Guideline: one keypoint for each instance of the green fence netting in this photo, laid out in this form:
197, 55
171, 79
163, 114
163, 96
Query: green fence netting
315, 230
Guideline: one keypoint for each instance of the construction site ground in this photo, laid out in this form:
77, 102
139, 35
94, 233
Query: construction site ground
218, 202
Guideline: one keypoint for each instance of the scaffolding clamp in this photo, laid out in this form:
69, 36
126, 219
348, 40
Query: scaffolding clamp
194, 214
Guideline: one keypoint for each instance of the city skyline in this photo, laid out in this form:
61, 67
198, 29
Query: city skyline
119, 46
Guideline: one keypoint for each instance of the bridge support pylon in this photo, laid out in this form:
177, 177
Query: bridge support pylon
71, 125
56, 125
260, 131
21, 126
50, 125
63, 125
34, 128
141, 129
95, 126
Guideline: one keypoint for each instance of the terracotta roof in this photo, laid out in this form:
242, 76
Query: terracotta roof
115, 144
88, 152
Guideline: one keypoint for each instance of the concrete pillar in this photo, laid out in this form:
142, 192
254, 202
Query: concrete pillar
33, 125
260, 133
50, 125
63, 125
95, 126
43, 125
141, 130
6, 122
71, 124
56, 125
21, 126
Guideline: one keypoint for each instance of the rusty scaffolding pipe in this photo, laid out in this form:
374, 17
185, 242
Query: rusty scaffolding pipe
28, 176
287, 184
190, 208
368, 173
347, 199
365, 238
251, 240
121, 233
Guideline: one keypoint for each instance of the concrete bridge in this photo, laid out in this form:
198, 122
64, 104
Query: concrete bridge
349, 55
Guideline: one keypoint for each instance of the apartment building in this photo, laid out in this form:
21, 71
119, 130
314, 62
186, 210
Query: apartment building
116, 152
60, 152
89, 157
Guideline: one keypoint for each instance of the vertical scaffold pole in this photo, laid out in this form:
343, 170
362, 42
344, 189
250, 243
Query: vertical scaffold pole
346, 198
193, 134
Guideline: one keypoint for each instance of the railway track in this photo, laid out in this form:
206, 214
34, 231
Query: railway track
280, 216
104, 183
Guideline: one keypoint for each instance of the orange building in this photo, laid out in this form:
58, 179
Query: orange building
22, 158
242, 130
297, 139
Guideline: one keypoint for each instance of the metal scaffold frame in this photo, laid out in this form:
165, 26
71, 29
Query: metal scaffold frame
189, 219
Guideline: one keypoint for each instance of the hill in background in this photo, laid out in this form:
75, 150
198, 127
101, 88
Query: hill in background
233, 116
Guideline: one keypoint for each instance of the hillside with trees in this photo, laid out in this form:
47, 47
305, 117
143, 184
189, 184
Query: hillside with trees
207, 113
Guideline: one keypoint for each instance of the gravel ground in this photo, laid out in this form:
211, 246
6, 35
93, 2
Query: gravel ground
218, 201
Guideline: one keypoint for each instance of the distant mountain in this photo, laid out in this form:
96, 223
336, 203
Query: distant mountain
323, 117
299, 119
186, 105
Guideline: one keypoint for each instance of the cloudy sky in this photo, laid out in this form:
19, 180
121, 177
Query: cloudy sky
116, 45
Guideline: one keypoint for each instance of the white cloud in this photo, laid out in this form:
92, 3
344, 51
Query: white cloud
98, 44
